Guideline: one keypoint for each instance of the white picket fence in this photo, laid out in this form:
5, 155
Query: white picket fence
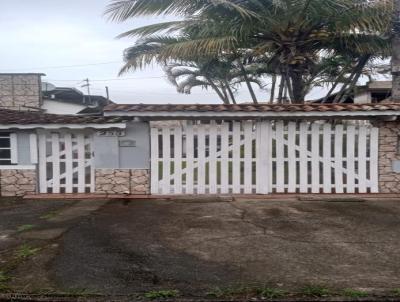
65, 162
264, 157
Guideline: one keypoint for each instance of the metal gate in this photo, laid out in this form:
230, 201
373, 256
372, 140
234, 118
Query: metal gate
65, 162
232, 157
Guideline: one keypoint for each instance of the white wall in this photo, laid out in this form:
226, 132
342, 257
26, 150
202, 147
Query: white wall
57, 107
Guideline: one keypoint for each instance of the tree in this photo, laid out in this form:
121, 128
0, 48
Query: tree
292, 35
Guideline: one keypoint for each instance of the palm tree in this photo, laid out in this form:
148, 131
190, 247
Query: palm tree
296, 34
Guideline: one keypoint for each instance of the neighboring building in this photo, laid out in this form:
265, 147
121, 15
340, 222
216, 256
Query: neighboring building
372, 92
65, 100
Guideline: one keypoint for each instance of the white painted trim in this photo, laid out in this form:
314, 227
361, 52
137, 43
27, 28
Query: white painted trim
16, 167
267, 114
60, 126
14, 148
33, 147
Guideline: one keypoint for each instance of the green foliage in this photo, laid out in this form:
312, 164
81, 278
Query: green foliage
353, 293
157, 294
3, 277
26, 251
307, 43
49, 215
396, 292
315, 291
272, 293
25, 227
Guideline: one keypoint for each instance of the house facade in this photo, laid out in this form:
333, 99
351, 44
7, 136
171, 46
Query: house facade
197, 149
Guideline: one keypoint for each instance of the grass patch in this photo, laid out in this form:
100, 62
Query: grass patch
49, 215
26, 251
4, 288
159, 294
353, 293
315, 291
396, 292
247, 291
3, 277
25, 227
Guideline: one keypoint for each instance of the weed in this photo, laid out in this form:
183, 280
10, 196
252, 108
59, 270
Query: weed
228, 292
157, 294
353, 293
25, 227
80, 292
315, 291
49, 215
3, 277
4, 288
396, 292
271, 293
25, 251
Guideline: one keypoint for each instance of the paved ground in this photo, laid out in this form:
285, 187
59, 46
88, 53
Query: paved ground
124, 247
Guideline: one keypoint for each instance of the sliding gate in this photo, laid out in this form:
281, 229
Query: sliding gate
264, 157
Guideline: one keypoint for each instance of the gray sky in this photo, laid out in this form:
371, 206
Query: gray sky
46, 33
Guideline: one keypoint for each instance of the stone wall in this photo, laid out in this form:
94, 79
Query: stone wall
122, 181
20, 91
389, 180
17, 182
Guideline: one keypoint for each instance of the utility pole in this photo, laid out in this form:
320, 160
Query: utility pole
108, 95
396, 52
88, 89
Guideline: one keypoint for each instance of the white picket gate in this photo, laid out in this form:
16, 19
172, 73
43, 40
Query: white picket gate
65, 162
264, 157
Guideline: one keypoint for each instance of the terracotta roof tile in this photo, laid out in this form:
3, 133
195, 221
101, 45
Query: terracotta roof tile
10, 117
250, 107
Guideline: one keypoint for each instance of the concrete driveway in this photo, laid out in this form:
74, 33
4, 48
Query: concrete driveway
194, 246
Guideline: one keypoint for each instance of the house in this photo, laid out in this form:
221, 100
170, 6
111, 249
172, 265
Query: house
65, 100
206, 149
372, 92
26, 91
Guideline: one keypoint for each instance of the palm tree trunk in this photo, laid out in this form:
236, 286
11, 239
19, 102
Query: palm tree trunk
228, 88
272, 97
281, 87
246, 79
355, 80
216, 89
396, 53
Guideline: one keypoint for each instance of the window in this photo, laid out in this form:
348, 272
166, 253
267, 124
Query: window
5, 148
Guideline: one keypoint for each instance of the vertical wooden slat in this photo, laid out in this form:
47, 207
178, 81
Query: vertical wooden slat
212, 158
338, 158
236, 158
362, 159
91, 162
166, 161
248, 142
55, 150
14, 148
327, 158
33, 148
68, 163
303, 139
189, 158
263, 158
178, 160
268, 153
81, 162
42, 163
373, 161
224, 158
315, 160
154, 161
292, 167
201, 151
350, 143
280, 166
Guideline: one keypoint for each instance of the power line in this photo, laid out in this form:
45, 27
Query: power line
62, 66
107, 80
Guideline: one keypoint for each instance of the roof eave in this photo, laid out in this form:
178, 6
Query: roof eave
65, 126
256, 115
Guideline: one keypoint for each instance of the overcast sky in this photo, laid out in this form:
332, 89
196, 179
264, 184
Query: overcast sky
39, 34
